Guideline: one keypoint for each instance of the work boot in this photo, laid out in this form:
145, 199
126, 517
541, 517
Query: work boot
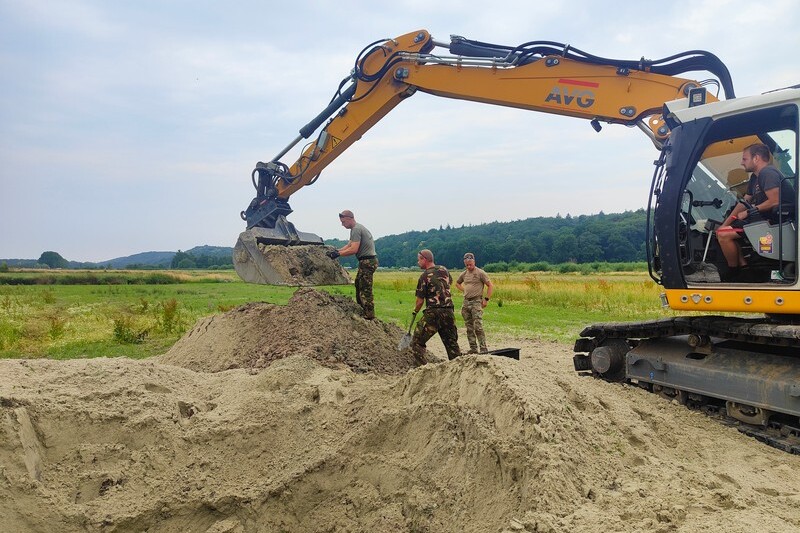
731, 275
369, 314
471, 351
484, 351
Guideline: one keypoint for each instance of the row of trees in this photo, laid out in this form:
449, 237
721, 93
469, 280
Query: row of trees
583, 239
188, 260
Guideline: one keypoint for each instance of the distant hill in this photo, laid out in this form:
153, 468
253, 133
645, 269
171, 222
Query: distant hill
150, 259
164, 259
618, 237
212, 251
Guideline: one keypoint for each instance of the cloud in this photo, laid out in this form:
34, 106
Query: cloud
146, 119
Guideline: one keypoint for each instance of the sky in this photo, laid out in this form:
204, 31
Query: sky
128, 127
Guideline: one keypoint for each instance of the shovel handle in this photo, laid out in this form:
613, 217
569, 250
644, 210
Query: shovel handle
413, 317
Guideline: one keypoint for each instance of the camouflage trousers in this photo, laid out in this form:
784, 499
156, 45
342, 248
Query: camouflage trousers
472, 311
434, 320
366, 269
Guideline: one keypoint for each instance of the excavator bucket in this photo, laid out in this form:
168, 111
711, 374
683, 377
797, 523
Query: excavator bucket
264, 256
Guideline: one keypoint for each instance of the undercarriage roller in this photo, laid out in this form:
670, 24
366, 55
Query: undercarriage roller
608, 359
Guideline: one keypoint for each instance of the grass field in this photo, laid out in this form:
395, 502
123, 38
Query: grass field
60, 315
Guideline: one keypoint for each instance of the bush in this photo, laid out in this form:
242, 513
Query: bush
501, 266
126, 333
169, 319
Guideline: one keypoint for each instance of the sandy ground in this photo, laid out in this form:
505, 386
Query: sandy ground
212, 438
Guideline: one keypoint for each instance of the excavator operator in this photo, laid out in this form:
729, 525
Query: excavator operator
766, 191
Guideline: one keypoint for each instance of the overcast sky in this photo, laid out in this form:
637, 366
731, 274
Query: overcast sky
134, 126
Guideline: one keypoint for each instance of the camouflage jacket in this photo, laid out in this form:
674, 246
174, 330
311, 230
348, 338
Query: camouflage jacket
434, 287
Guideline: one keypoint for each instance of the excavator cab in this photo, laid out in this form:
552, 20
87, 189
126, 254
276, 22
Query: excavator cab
769, 244
701, 176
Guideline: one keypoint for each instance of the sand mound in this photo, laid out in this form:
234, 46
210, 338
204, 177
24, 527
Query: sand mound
324, 327
473, 445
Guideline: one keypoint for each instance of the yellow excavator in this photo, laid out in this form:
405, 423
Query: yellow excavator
743, 368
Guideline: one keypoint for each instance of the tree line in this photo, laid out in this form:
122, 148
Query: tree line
185, 260
612, 238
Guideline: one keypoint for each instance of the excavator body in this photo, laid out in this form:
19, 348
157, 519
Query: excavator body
735, 350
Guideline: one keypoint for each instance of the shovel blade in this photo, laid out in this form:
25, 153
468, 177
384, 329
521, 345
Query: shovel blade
404, 343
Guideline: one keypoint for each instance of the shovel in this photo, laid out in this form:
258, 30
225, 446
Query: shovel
405, 341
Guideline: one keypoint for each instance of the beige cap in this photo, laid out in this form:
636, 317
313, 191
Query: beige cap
346, 214
469, 255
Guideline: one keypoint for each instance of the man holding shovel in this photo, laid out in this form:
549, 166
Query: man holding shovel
433, 289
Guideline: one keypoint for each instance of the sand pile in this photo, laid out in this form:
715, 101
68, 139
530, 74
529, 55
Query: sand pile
324, 327
474, 445
305, 444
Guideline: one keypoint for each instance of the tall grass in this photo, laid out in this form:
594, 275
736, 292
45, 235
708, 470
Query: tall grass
114, 277
64, 320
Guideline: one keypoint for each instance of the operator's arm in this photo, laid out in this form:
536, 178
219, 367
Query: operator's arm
418, 305
767, 205
737, 210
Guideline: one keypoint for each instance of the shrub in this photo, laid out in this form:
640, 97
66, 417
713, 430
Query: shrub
126, 333
57, 326
169, 319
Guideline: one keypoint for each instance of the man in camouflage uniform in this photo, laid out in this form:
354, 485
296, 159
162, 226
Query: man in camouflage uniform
471, 282
433, 289
362, 245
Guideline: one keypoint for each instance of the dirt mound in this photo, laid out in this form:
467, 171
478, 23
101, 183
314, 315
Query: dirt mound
324, 327
473, 445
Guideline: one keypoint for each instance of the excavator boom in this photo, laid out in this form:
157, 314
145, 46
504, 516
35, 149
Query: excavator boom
538, 76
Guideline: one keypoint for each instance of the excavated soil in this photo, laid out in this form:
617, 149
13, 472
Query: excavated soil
305, 265
298, 265
327, 328
297, 441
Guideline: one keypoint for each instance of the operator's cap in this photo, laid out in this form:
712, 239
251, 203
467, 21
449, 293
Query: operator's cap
346, 214
469, 255
427, 254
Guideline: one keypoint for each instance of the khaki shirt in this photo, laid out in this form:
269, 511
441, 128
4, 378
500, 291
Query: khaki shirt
361, 234
473, 282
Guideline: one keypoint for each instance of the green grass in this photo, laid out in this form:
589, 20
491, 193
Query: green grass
122, 316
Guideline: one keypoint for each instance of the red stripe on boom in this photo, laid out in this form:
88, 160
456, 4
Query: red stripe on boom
579, 82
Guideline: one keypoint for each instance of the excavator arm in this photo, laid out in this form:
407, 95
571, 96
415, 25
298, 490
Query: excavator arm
539, 76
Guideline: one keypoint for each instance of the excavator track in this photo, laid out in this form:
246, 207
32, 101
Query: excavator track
742, 372
750, 330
